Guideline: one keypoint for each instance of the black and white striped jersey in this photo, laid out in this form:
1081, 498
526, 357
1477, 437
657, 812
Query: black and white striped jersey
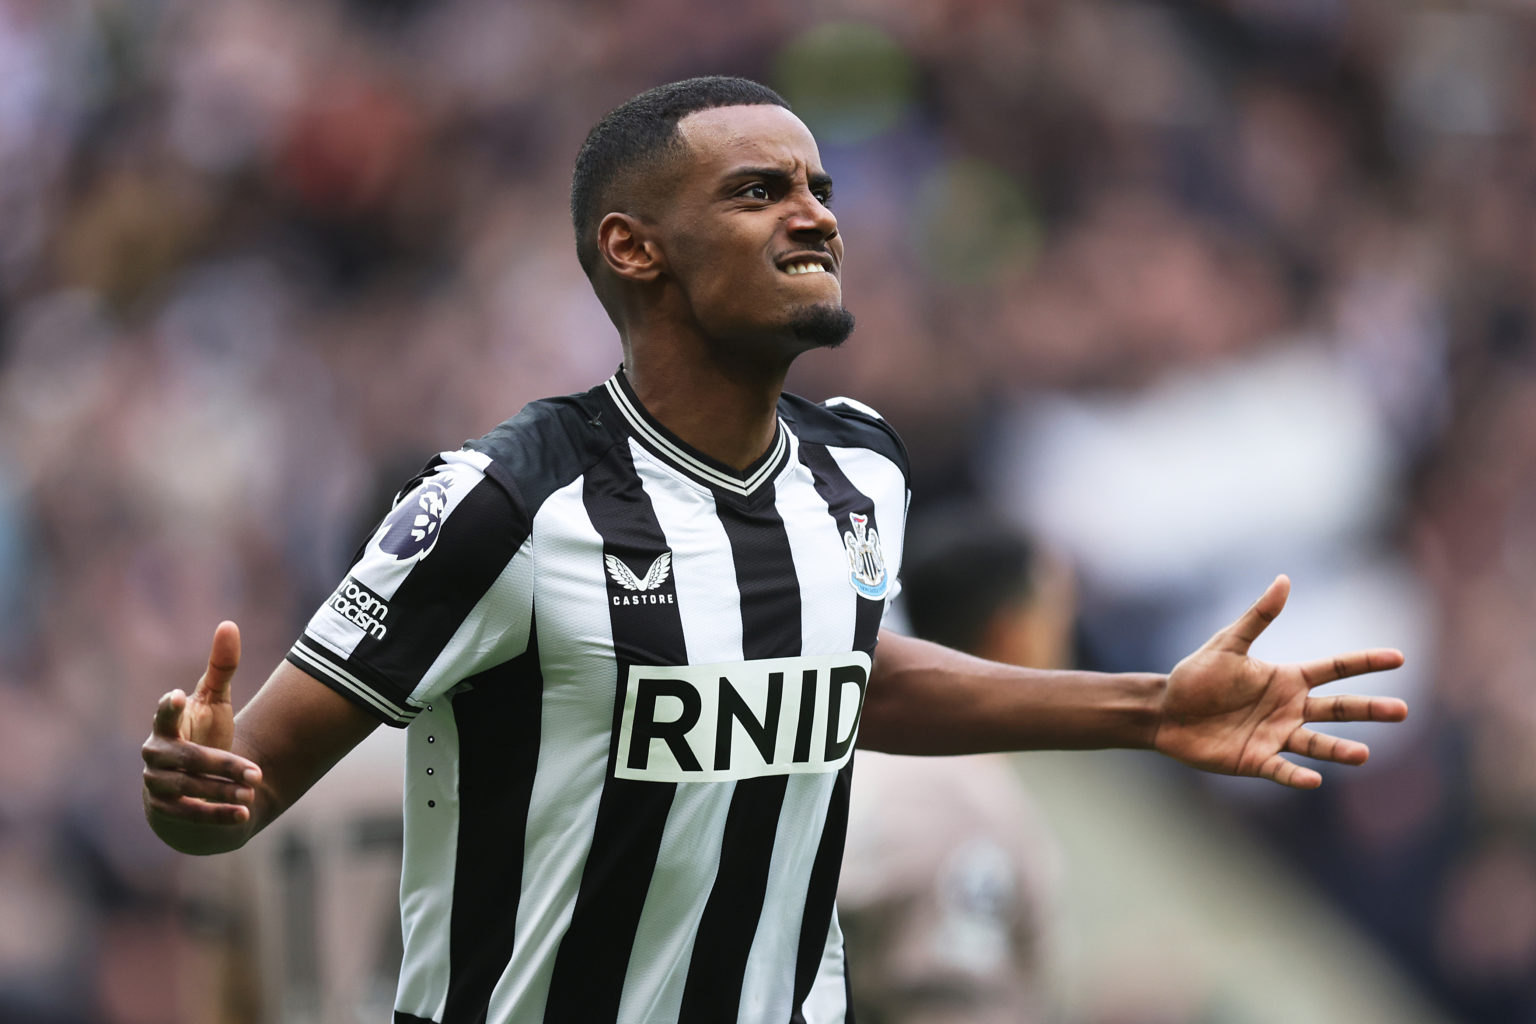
633, 678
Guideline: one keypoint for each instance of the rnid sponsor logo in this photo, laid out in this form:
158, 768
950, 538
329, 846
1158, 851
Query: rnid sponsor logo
741, 720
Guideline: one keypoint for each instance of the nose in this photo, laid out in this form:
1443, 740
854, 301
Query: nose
811, 219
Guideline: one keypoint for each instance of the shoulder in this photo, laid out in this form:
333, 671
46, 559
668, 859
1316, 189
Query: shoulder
544, 447
844, 423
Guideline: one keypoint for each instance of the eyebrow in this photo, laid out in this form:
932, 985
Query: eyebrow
778, 176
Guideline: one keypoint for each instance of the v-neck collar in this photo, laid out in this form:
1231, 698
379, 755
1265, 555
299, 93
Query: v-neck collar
686, 459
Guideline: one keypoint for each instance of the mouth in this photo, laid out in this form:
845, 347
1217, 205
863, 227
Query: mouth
797, 264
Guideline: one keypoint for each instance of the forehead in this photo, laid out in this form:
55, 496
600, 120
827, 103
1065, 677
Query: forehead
760, 135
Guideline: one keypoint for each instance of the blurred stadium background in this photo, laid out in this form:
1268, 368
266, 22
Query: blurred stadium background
1196, 292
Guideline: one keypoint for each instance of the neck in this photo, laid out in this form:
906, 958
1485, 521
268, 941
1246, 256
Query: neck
727, 411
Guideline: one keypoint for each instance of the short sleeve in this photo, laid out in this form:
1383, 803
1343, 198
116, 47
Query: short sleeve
441, 591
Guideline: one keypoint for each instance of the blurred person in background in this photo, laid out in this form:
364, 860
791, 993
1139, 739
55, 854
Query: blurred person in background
948, 893
310, 916
689, 499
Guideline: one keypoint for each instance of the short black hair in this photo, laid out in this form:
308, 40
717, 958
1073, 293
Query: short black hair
641, 130
962, 565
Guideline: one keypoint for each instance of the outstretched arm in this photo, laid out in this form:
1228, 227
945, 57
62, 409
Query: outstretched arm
1219, 709
213, 779
928, 699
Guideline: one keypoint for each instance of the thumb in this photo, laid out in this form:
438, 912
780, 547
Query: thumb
1237, 637
223, 659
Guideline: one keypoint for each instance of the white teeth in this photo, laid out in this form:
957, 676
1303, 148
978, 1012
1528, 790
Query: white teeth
805, 268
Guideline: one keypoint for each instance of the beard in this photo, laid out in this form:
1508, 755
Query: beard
821, 326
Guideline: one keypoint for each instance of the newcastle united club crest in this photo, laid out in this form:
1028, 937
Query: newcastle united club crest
866, 563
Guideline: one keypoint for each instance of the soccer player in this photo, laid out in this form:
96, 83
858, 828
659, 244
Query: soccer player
633, 633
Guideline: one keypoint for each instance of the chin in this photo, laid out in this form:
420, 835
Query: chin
825, 325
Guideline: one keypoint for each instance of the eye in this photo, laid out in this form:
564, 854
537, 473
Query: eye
756, 191
823, 196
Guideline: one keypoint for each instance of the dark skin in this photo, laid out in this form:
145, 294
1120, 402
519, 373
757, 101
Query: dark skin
697, 285
697, 282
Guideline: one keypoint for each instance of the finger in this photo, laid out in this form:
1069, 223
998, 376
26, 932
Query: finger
168, 714
223, 659
194, 759
1346, 707
1342, 666
1239, 636
198, 811
1322, 747
172, 784
1288, 773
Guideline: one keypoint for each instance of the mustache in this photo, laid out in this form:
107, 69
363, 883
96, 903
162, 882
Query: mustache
819, 250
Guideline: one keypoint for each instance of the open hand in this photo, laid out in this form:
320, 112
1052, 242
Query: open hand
1226, 712
190, 773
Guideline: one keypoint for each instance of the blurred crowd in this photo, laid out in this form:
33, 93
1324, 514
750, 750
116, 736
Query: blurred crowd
1197, 292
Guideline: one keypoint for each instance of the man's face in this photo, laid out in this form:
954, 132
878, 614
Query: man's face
748, 236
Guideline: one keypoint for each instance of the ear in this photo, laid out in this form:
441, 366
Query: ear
628, 249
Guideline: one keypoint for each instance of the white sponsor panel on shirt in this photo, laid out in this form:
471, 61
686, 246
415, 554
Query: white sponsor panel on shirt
743, 719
